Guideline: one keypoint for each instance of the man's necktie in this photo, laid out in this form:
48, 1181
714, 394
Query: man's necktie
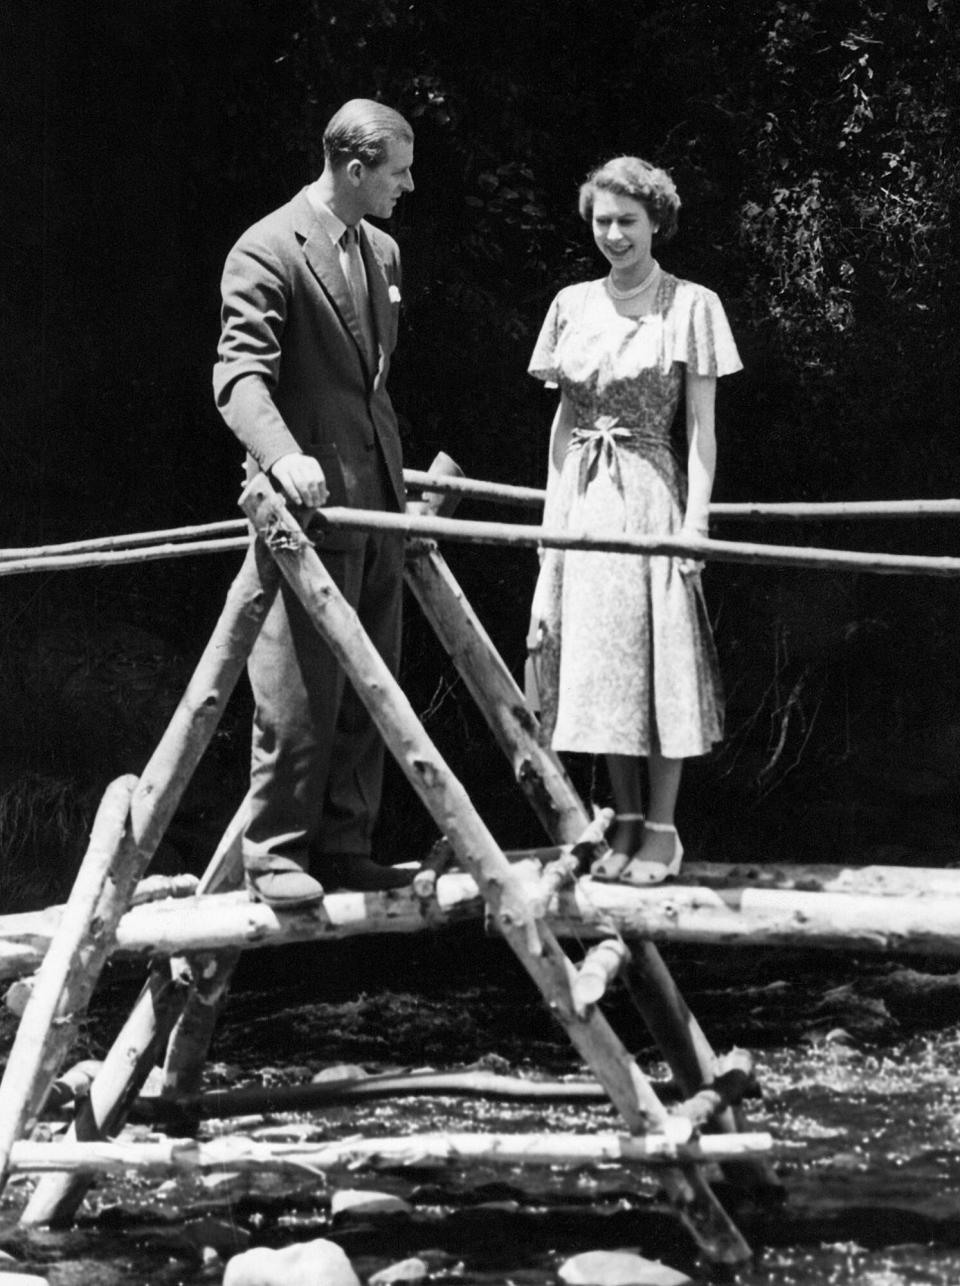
356, 280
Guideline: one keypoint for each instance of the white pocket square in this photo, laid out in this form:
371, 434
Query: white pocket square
394, 293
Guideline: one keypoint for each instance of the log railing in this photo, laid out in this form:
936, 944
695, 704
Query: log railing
524, 910
513, 904
230, 534
508, 535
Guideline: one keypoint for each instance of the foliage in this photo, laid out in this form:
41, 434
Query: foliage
857, 160
816, 149
42, 824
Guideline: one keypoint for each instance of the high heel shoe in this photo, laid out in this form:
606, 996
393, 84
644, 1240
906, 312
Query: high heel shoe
642, 872
609, 866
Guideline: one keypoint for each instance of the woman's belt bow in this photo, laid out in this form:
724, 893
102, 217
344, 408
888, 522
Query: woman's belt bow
599, 445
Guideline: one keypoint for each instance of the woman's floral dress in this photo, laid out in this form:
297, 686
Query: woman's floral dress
626, 662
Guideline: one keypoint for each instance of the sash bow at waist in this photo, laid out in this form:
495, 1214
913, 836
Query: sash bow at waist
601, 444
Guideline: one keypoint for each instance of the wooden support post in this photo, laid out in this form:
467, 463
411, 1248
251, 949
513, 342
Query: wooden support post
210, 975
600, 967
198, 713
164, 1007
114, 1089
69, 971
558, 874
672, 1025
549, 790
733, 1080
440, 859
443, 503
152, 804
72, 1085
507, 896
539, 772
209, 978
157, 1011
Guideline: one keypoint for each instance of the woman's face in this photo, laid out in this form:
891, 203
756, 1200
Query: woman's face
623, 232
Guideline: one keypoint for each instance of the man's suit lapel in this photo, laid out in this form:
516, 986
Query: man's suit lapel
379, 296
324, 259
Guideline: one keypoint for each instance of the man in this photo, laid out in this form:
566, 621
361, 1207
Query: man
311, 295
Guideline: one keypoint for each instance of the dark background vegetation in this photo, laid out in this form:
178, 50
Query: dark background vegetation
817, 151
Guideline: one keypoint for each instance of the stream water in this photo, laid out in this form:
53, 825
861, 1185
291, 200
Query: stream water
858, 1062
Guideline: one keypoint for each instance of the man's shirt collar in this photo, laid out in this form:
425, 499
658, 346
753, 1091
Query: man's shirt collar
333, 226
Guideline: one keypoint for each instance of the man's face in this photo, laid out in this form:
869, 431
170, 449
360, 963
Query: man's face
380, 188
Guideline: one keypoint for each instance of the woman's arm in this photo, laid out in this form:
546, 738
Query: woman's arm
560, 431
701, 451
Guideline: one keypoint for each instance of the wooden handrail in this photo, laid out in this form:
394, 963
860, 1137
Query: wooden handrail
205, 534
519, 535
750, 510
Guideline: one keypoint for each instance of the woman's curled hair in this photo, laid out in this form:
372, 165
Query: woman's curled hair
632, 177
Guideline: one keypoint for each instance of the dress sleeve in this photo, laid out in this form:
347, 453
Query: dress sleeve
543, 363
703, 339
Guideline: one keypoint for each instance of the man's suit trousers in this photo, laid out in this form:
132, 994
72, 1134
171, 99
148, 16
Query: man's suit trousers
317, 757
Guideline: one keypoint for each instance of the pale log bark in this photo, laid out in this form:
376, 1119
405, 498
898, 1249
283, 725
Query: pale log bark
564, 817
745, 917
152, 805
539, 772
118, 557
128, 1063
598, 970
435, 482
508, 899
239, 1153
70, 970
533, 498
524, 535
733, 1080
518, 536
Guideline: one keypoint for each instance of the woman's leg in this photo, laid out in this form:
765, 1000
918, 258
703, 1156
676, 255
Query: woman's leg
659, 846
665, 777
626, 781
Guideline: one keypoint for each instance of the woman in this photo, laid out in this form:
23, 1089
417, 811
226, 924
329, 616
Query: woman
624, 656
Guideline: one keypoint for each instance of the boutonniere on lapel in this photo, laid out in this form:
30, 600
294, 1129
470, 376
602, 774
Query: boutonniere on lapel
393, 292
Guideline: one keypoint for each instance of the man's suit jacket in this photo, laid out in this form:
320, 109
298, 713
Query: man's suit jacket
289, 321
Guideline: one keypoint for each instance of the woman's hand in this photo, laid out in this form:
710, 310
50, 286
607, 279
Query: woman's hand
687, 564
701, 463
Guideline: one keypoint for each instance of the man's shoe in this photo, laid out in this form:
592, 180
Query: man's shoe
360, 874
284, 888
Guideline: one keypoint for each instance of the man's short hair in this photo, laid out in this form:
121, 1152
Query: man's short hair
363, 128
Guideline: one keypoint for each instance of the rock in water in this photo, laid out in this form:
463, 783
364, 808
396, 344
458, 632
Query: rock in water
340, 1072
408, 1270
305, 1264
356, 1201
618, 1268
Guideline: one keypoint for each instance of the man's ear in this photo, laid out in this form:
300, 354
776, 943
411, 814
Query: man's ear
354, 170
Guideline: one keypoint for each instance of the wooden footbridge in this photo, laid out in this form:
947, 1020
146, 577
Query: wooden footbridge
537, 899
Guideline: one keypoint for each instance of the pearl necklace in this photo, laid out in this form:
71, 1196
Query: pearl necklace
632, 293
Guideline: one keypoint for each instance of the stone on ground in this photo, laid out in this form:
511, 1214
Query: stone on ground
356, 1201
407, 1270
304, 1264
618, 1268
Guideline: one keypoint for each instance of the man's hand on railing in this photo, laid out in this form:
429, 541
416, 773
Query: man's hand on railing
301, 480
